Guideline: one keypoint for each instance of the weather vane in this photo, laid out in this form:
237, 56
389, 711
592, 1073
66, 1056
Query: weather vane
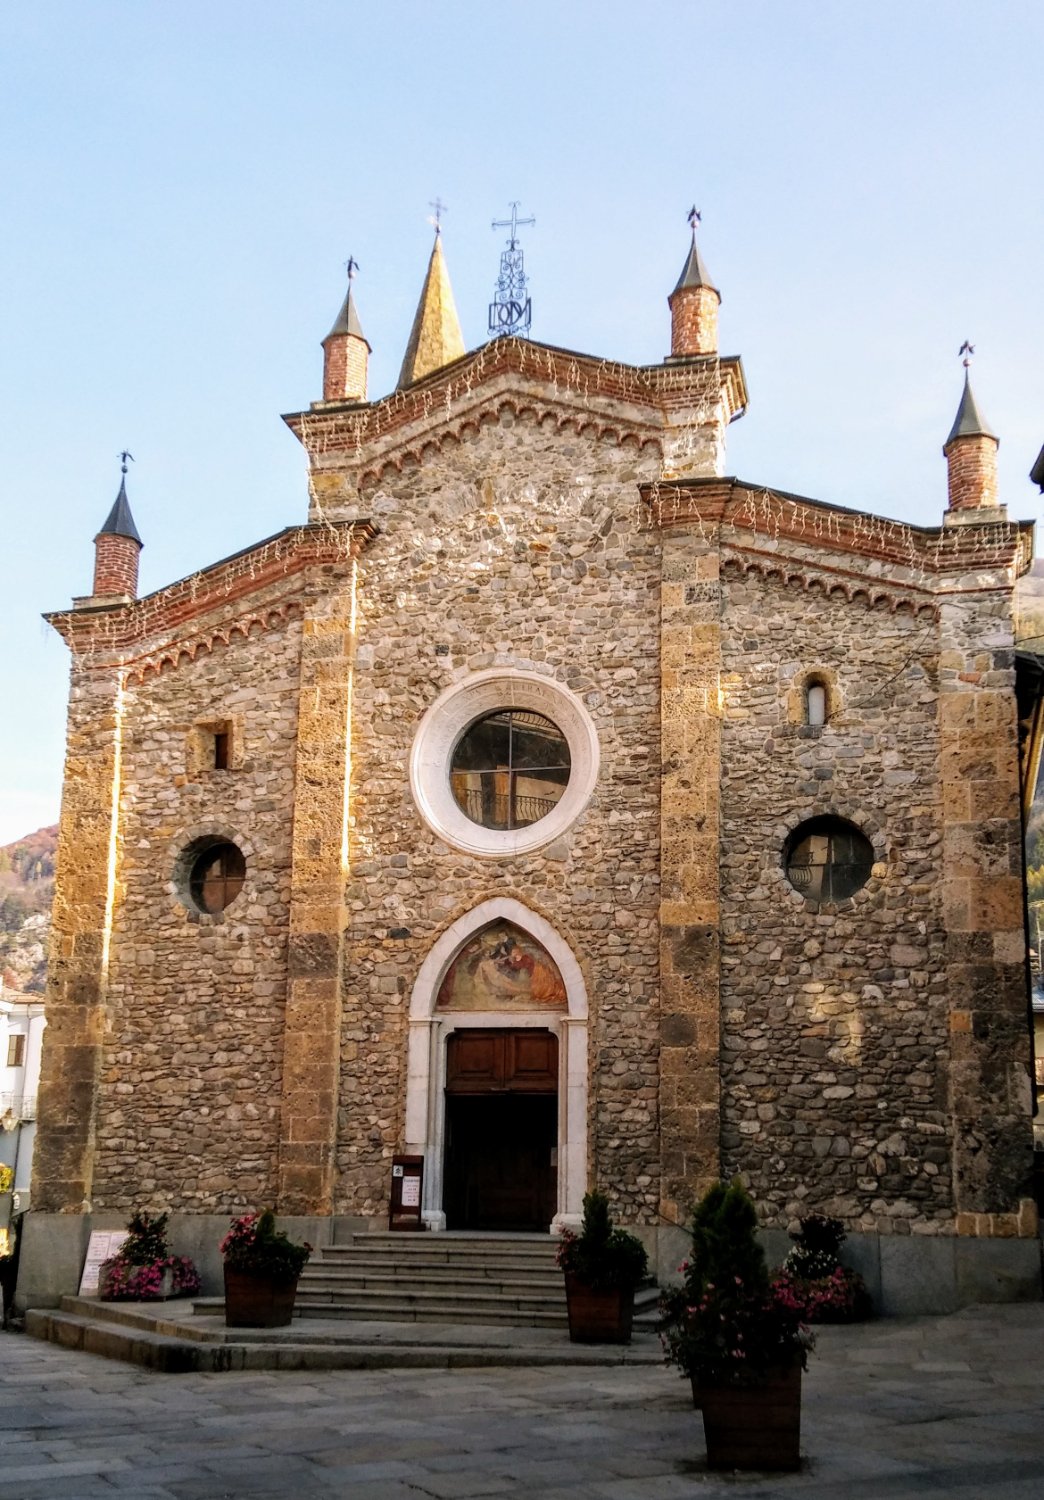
123, 460
967, 350
436, 218
351, 265
511, 310
694, 217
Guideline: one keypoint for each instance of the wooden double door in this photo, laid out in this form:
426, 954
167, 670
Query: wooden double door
501, 1170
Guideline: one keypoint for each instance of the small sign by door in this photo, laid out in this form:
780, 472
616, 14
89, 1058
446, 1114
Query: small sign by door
405, 1210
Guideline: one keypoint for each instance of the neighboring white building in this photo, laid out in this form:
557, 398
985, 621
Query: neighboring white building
21, 1034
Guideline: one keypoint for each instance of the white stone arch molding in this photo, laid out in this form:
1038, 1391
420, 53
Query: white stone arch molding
453, 712
426, 1058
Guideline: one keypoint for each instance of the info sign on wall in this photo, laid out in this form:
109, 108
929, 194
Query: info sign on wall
407, 1176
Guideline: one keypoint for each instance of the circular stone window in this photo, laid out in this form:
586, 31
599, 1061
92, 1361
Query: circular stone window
216, 870
503, 763
828, 859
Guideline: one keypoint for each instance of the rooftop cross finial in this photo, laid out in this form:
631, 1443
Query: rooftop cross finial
436, 219
513, 222
694, 217
351, 265
967, 350
123, 460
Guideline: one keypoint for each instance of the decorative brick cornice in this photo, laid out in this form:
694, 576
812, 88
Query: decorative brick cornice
772, 524
577, 391
828, 581
172, 624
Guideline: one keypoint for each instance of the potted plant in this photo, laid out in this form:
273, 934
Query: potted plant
602, 1267
143, 1269
827, 1291
739, 1338
261, 1270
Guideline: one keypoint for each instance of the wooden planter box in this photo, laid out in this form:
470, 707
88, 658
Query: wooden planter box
753, 1426
598, 1317
257, 1301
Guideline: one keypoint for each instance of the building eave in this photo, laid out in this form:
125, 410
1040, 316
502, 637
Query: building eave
115, 626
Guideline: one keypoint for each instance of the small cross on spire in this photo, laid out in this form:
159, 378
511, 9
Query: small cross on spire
967, 350
436, 219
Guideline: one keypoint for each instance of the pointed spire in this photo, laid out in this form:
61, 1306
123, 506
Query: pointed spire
119, 521
969, 421
435, 339
694, 305
346, 350
117, 547
694, 271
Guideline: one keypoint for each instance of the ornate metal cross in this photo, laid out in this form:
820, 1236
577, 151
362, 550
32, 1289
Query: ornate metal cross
512, 223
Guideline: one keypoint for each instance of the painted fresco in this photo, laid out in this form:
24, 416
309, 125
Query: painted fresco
502, 968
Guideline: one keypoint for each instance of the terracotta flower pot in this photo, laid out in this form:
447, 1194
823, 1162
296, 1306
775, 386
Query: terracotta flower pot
253, 1301
753, 1426
598, 1317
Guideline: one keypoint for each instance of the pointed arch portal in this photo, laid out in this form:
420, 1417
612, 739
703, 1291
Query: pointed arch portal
431, 1026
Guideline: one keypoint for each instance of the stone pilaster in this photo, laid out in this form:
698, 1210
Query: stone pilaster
84, 900
311, 1054
983, 912
689, 909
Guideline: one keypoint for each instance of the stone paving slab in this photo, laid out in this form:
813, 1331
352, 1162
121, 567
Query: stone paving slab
896, 1410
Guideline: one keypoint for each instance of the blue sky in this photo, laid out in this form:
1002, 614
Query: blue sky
183, 181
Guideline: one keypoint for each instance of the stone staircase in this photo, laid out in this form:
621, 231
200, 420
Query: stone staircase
379, 1300
436, 1278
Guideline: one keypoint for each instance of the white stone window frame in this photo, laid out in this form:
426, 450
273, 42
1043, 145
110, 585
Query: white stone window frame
454, 712
429, 1035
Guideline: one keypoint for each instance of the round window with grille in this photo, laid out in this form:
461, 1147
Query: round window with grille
828, 859
213, 872
504, 762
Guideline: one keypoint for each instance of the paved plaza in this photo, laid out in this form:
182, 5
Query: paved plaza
896, 1409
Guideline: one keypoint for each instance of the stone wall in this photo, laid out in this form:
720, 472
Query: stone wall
508, 550
835, 1036
188, 1101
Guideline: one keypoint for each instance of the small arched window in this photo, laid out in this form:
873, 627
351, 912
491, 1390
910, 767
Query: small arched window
815, 704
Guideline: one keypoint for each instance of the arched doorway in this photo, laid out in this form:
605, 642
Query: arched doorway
498, 1014
501, 1152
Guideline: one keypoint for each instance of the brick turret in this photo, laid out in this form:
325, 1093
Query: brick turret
117, 548
346, 353
971, 457
694, 305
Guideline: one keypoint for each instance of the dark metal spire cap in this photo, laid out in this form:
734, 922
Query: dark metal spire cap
694, 272
969, 421
347, 321
119, 521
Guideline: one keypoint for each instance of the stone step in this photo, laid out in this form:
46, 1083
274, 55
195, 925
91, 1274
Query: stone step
168, 1337
421, 1310
377, 1276
430, 1249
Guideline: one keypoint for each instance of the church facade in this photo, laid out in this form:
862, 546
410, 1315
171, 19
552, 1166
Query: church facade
552, 807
